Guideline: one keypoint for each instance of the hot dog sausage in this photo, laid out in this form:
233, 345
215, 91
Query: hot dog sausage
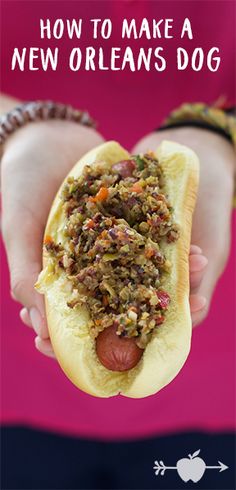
117, 353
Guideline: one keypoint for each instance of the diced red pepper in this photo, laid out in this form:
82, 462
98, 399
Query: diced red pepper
136, 187
101, 195
164, 299
160, 320
149, 252
90, 224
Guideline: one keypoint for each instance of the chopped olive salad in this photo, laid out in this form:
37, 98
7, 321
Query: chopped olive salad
117, 218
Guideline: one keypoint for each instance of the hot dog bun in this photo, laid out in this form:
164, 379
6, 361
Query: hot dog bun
168, 349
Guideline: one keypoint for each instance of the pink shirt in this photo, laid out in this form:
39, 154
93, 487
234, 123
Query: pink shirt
35, 392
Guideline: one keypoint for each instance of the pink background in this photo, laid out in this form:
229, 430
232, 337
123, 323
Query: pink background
34, 390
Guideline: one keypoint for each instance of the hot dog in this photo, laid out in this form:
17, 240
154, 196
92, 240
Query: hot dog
115, 269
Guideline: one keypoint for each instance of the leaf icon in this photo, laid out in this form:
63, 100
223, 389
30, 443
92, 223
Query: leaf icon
196, 453
162, 472
161, 463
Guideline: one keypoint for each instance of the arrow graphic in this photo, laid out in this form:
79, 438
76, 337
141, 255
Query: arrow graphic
191, 468
221, 467
161, 466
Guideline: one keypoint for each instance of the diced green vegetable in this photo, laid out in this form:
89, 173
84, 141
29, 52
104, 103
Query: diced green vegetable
139, 161
110, 257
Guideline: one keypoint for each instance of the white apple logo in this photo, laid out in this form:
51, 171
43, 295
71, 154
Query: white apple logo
192, 468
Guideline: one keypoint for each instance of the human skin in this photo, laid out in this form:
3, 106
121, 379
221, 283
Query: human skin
38, 157
212, 216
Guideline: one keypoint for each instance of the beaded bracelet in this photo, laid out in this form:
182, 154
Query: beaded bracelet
40, 111
203, 116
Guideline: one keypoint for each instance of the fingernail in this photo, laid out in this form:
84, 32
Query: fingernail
197, 262
197, 302
36, 319
25, 318
195, 249
44, 346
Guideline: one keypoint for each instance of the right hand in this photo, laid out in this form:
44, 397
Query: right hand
36, 159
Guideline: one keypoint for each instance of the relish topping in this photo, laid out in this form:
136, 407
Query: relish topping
117, 218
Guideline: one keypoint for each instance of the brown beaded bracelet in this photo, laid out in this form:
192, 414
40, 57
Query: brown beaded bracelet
40, 111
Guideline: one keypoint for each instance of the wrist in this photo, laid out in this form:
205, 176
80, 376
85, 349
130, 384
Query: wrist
67, 140
55, 129
204, 143
215, 118
32, 112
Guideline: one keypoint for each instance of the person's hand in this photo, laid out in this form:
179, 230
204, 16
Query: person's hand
28, 192
35, 161
211, 221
